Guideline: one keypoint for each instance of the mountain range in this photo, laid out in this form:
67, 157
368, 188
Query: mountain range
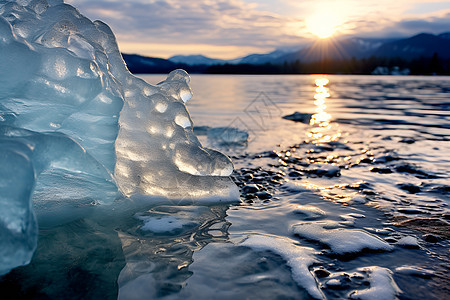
423, 45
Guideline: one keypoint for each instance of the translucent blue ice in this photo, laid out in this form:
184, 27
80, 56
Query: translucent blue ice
77, 129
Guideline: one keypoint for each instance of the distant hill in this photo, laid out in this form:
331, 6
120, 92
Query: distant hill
424, 44
334, 49
421, 45
431, 54
193, 60
252, 59
143, 64
259, 59
445, 35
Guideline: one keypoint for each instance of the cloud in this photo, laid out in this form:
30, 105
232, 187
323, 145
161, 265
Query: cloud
407, 27
231, 28
220, 23
431, 25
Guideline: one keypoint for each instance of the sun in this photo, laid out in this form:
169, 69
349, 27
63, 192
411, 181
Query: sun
323, 23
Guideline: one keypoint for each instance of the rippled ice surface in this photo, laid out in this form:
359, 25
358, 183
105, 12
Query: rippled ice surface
351, 201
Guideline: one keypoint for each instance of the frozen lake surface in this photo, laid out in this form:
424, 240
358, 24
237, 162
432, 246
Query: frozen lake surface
349, 201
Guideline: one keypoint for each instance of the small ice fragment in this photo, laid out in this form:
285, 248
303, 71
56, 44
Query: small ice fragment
415, 271
310, 212
340, 240
382, 285
299, 117
299, 258
161, 224
166, 219
384, 231
228, 135
358, 199
408, 241
334, 283
299, 186
355, 215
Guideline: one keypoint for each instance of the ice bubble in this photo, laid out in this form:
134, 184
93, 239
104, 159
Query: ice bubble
341, 240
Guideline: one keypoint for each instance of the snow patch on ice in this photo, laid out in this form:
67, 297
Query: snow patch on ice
299, 186
310, 212
414, 270
382, 285
408, 241
341, 240
299, 258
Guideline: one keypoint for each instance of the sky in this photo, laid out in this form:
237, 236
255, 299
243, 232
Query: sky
229, 29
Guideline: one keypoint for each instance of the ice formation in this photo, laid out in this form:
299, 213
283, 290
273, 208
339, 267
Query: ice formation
299, 258
71, 116
408, 241
157, 151
382, 285
309, 212
223, 135
415, 271
341, 240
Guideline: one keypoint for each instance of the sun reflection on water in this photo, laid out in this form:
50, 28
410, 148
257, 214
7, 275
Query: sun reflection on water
320, 132
321, 117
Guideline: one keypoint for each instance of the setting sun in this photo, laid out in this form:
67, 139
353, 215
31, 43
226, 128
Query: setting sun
323, 23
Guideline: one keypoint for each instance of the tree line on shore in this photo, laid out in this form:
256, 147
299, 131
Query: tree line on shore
418, 66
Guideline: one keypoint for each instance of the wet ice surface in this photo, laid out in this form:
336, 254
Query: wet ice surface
351, 206
365, 183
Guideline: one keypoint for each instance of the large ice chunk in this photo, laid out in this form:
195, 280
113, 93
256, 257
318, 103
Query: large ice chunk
157, 151
64, 93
